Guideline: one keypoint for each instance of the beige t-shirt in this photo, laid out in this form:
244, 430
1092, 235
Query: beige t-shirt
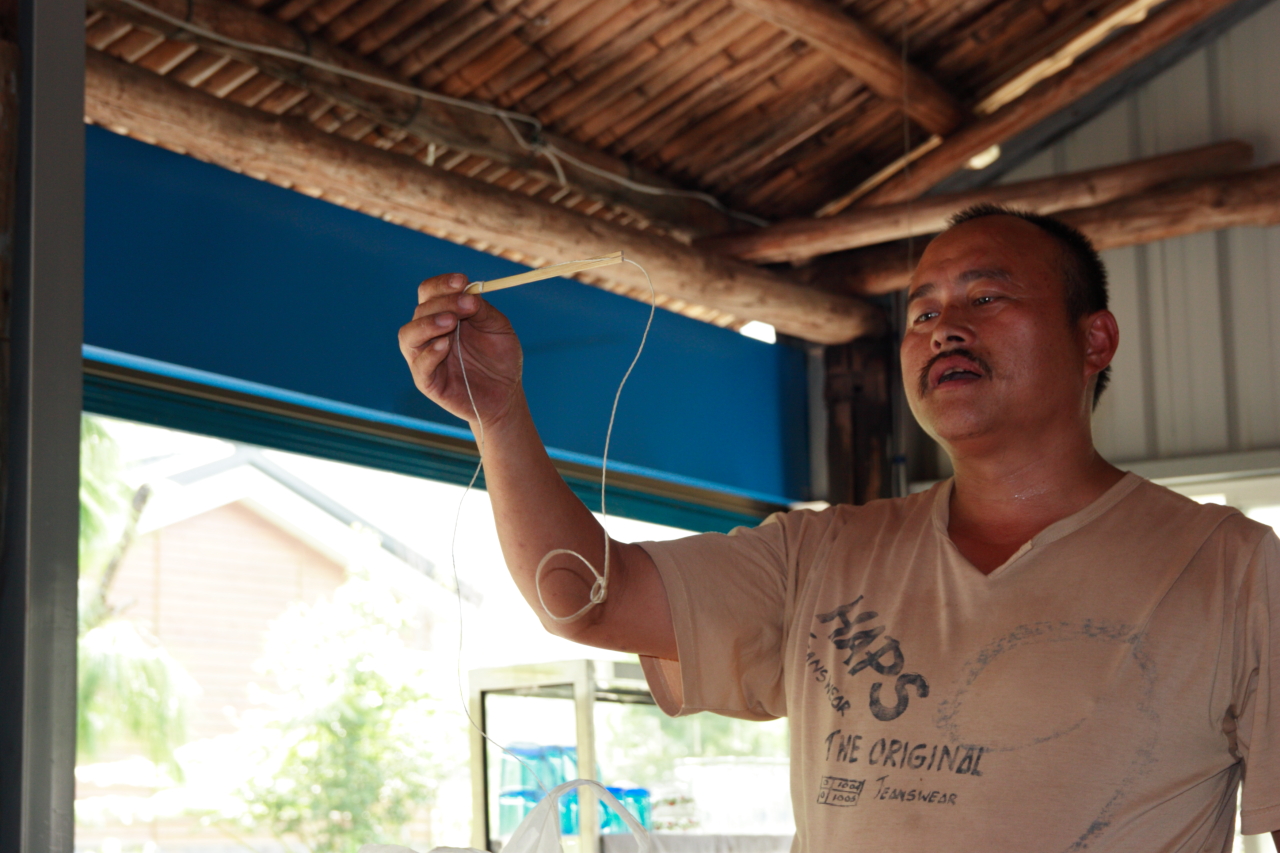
1106, 689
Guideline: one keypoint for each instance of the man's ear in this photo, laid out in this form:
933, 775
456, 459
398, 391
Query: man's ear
1101, 338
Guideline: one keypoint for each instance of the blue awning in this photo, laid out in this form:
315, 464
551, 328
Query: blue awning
220, 278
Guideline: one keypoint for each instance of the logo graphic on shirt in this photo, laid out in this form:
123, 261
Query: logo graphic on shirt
840, 792
836, 791
886, 659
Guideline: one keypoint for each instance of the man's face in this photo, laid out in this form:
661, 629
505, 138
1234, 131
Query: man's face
987, 346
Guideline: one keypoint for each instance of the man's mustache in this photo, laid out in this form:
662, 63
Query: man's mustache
969, 354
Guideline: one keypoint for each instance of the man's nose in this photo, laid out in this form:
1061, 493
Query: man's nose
951, 331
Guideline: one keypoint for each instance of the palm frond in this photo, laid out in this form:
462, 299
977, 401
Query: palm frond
130, 687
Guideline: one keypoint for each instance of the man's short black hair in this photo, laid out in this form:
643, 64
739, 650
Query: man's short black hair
1084, 276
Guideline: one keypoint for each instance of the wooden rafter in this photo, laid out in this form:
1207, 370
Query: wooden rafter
1123, 14
1248, 198
460, 129
801, 239
1045, 98
294, 154
861, 52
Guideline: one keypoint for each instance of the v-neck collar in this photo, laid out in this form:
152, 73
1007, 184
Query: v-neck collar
1060, 528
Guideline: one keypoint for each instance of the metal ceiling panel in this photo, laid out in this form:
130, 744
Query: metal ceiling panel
1199, 315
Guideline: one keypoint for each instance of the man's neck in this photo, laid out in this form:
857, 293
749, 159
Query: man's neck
1004, 497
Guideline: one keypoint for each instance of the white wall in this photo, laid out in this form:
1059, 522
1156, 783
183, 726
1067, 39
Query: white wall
1200, 315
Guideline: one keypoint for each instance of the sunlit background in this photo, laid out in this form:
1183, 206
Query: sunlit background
271, 658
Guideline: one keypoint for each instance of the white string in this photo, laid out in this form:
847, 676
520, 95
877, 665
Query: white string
538, 146
600, 588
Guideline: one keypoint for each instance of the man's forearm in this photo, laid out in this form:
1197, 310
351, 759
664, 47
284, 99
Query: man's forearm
536, 512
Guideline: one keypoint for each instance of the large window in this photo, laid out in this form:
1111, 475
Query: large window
269, 647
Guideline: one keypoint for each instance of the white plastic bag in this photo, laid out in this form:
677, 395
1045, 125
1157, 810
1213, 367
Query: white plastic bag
539, 832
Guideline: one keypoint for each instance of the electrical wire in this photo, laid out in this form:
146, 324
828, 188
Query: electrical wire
538, 146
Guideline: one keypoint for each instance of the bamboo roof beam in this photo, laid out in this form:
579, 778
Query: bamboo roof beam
1247, 198
457, 128
1045, 98
860, 51
292, 153
801, 239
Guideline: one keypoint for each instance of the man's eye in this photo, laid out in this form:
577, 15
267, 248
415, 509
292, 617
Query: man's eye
984, 300
926, 316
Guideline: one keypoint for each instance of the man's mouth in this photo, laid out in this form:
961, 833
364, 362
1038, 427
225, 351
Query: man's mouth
954, 366
957, 373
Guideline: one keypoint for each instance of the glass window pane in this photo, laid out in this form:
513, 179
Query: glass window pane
701, 775
269, 647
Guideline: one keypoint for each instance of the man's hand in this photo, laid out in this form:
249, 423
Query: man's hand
489, 347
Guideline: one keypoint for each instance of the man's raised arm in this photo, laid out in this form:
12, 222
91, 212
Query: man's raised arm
534, 509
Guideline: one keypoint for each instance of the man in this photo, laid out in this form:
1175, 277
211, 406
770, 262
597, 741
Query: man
1042, 653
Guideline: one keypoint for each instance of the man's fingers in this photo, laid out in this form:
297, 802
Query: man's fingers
441, 285
484, 317
464, 305
426, 361
420, 331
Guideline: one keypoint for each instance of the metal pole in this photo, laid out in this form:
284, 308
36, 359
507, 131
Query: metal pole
584, 699
819, 454
899, 464
480, 834
41, 513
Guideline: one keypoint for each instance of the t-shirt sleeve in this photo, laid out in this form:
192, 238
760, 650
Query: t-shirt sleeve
728, 596
1256, 684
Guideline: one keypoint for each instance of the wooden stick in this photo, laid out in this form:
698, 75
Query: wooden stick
836, 205
552, 271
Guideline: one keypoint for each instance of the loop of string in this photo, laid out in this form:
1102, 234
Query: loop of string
600, 585
508, 117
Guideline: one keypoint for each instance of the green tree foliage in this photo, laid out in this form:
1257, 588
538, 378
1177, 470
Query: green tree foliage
360, 747
128, 687
104, 499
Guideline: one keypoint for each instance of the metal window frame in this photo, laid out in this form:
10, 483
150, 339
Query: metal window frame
38, 570
123, 392
586, 682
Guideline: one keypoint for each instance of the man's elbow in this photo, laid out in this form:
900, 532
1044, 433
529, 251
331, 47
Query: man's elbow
629, 613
